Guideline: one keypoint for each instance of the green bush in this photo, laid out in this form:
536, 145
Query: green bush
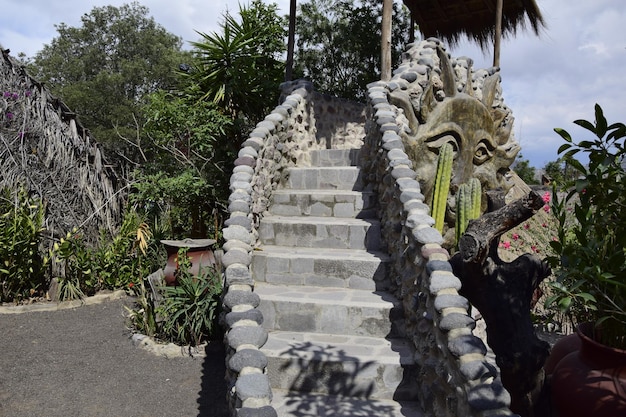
190, 309
22, 267
118, 262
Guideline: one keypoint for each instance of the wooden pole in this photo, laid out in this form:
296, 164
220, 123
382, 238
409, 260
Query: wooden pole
497, 34
291, 41
385, 45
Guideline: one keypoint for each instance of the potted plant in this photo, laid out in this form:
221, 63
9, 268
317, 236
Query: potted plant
589, 262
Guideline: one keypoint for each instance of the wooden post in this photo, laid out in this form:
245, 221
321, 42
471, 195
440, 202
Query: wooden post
497, 34
385, 45
291, 41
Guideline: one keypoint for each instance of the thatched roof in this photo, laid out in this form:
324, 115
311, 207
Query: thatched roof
44, 149
449, 20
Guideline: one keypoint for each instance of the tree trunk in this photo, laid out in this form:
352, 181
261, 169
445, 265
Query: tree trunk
503, 292
385, 45
291, 41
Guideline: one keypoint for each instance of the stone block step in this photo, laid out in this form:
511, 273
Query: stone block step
298, 404
321, 267
335, 157
324, 203
342, 311
324, 178
350, 366
320, 232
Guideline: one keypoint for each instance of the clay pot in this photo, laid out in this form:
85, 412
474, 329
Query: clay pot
199, 252
563, 347
590, 381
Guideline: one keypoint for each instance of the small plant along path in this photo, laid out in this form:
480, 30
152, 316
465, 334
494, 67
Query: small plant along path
81, 362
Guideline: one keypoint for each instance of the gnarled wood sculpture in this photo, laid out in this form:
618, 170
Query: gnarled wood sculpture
443, 100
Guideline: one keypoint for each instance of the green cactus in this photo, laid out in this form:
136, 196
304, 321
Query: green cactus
468, 200
442, 185
476, 195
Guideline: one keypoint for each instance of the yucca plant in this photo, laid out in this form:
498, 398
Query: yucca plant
190, 309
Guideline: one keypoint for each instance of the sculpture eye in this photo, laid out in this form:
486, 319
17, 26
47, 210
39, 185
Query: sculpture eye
482, 153
435, 143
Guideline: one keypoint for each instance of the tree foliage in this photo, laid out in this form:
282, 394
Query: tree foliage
240, 68
339, 44
525, 171
104, 68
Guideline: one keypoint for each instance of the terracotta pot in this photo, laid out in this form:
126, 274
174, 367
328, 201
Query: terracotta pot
591, 381
199, 252
563, 347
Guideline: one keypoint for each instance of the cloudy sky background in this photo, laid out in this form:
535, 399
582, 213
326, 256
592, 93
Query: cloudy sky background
548, 81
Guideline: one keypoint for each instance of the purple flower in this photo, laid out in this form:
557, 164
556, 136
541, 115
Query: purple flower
9, 115
28, 93
7, 94
15, 96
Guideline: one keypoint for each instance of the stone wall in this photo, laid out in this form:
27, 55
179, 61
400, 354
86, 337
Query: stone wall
455, 377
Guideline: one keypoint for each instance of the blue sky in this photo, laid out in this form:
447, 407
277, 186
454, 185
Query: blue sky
548, 81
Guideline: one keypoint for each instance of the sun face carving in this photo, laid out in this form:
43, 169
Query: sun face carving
453, 104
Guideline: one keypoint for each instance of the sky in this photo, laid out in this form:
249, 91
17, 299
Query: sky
549, 81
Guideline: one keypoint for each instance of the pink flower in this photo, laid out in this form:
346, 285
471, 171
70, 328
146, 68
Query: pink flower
546, 208
515, 236
544, 225
534, 248
506, 244
526, 226
546, 197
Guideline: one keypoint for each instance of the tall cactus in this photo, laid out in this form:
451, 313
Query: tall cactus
442, 185
468, 200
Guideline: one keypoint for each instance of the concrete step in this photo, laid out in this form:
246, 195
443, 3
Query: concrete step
324, 203
320, 232
324, 178
321, 267
342, 311
299, 404
335, 157
350, 366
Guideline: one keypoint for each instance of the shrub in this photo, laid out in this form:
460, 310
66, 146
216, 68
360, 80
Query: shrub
22, 267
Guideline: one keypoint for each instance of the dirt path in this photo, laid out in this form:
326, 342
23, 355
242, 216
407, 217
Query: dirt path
81, 362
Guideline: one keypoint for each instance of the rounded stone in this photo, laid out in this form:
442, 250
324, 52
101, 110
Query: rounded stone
239, 206
235, 298
238, 233
238, 274
241, 186
428, 235
488, 396
415, 220
252, 315
243, 221
433, 266
456, 321
236, 256
248, 151
442, 280
466, 344
255, 143
409, 195
236, 244
450, 301
245, 160
247, 335
243, 168
241, 176
397, 154
478, 370
265, 411
400, 172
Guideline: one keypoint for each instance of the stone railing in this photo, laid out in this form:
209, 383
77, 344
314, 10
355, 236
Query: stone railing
455, 377
282, 140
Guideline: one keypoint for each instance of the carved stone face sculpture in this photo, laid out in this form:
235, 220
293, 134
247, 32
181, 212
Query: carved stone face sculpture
447, 105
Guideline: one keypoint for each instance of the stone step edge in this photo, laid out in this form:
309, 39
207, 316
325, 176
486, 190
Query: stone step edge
383, 351
321, 253
261, 287
340, 221
325, 405
321, 191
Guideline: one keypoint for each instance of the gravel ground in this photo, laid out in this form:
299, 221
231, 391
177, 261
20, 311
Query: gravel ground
80, 362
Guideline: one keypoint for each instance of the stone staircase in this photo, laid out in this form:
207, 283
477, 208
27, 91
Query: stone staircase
335, 345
